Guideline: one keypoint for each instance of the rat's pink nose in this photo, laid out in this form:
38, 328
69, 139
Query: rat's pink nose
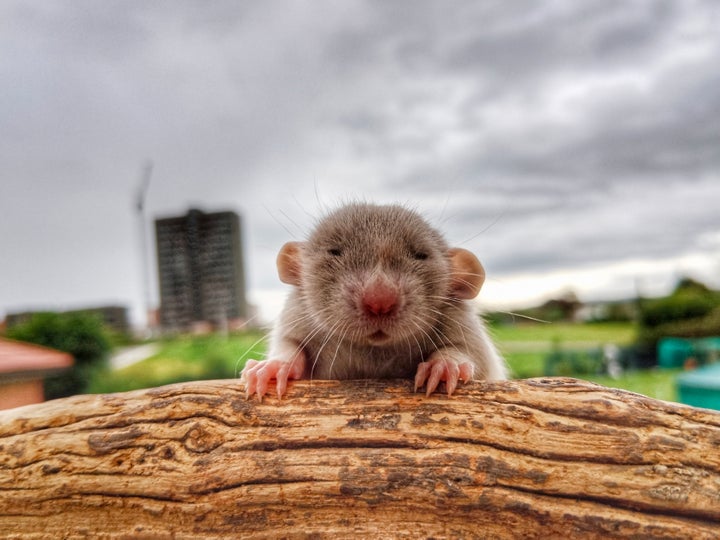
380, 299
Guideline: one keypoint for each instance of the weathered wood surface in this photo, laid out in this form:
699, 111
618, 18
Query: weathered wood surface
541, 458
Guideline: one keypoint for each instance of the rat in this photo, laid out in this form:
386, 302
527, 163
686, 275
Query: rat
377, 293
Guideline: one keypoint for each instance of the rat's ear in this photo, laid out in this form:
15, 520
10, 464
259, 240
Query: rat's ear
467, 275
289, 264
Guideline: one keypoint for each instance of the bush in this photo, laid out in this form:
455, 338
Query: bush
79, 334
690, 311
683, 305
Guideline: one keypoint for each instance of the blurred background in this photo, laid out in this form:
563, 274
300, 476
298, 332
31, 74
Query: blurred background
573, 146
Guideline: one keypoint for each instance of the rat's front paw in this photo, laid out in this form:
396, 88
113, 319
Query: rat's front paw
257, 375
443, 365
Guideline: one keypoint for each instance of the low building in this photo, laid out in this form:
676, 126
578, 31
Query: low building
23, 369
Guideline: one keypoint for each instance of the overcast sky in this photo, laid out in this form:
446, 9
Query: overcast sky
569, 144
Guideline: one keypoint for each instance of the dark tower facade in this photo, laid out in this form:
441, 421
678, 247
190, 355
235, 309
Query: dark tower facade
200, 267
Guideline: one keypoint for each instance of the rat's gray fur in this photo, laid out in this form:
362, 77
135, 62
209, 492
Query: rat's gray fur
354, 244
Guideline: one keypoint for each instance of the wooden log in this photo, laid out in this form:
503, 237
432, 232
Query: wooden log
539, 458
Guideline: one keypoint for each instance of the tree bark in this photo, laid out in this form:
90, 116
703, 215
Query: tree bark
539, 458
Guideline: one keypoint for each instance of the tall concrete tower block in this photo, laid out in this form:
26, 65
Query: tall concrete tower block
200, 268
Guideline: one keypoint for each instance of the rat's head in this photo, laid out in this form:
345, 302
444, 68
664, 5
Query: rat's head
378, 275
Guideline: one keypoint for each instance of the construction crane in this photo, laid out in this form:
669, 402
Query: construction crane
145, 176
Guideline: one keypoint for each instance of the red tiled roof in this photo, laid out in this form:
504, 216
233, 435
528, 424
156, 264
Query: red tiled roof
16, 356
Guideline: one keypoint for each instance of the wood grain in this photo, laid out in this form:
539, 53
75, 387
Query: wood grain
539, 458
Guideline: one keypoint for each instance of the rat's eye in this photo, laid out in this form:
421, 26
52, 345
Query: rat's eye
420, 255
335, 252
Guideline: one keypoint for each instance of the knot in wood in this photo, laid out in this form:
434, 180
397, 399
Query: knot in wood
202, 438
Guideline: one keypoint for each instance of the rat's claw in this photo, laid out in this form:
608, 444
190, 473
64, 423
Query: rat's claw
450, 366
421, 375
467, 370
254, 379
249, 378
437, 370
263, 380
248, 366
452, 374
282, 379
257, 375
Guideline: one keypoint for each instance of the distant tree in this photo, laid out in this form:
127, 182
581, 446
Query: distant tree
564, 308
690, 311
688, 284
683, 304
79, 334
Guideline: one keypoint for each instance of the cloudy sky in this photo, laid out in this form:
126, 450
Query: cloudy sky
569, 144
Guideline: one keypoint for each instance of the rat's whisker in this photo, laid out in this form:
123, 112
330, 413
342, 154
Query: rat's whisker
337, 347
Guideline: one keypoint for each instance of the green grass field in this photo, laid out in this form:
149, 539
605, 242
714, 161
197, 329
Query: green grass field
657, 383
525, 347
186, 358
595, 333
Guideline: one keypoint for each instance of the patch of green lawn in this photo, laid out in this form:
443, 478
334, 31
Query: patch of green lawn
185, 358
656, 383
525, 364
526, 346
565, 333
